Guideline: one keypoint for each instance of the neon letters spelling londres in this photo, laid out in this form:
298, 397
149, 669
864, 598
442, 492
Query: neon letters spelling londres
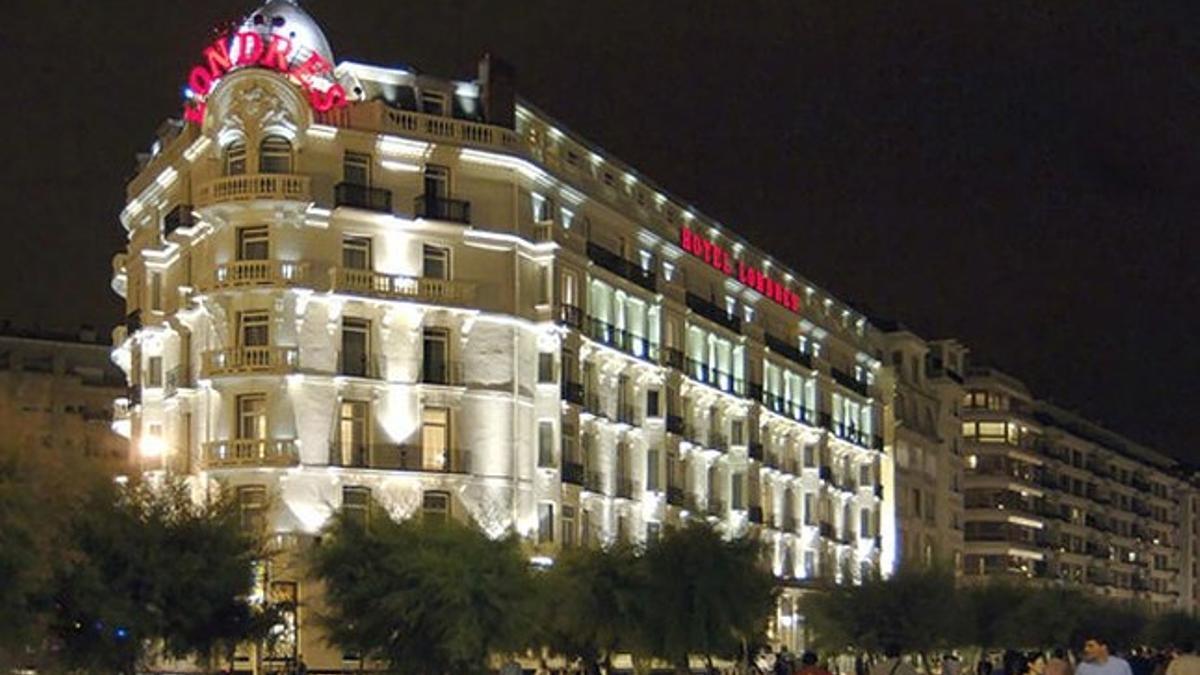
714, 254
254, 52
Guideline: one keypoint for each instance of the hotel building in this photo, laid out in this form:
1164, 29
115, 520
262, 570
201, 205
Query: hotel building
1053, 497
436, 296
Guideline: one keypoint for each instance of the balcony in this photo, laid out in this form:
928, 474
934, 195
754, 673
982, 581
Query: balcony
626, 269
246, 187
570, 315
675, 424
879, 491
362, 197
396, 287
572, 472
702, 372
250, 361
755, 451
788, 351
825, 473
377, 117
781, 406
572, 392
403, 457
715, 508
755, 514
250, 452
672, 358
433, 207
826, 530
850, 382
623, 340
713, 313
180, 216
243, 273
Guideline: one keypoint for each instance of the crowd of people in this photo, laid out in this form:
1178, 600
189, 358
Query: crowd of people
1095, 658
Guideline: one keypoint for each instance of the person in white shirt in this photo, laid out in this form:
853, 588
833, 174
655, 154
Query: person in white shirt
892, 664
1098, 661
1186, 662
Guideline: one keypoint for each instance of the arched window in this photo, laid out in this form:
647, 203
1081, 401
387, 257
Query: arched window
275, 155
235, 158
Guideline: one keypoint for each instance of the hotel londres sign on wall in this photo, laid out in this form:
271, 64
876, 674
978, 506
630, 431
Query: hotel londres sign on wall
719, 258
250, 49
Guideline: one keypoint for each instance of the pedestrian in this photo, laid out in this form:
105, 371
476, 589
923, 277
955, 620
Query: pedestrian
1058, 664
892, 664
1097, 660
950, 665
783, 662
810, 666
1035, 664
1186, 662
985, 666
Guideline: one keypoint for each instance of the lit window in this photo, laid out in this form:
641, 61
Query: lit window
356, 168
356, 253
435, 438
254, 243
275, 155
546, 444
568, 216
545, 523
252, 507
435, 506
235, 159
353, 429
435, 262
252, 416
254, 329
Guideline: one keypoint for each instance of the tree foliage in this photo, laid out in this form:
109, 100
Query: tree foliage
422, 595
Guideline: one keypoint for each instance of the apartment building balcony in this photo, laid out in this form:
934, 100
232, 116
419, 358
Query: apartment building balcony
782, 406
702, 372
244, 273
672, 358
623, 340
251, 452
180, 216
826, 530
713, 312
850, 382
247, 187
788, 350
377, 117
362, 197
572, 472
825, 473
715, 508
249, 361
407, 457
397, 287
755, 514
675, 425
675, 495
626, 269
434, 207
755, 451
572, 392
571, 316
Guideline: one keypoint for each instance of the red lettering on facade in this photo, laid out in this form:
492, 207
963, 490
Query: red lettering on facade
275, 55
200, 81
249, 48
717, 256
217, 58
334, 97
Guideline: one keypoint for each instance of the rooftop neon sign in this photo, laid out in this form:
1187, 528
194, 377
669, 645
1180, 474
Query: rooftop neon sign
249, 49
719, 258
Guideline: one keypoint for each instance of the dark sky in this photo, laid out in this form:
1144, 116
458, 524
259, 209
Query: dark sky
1022, 175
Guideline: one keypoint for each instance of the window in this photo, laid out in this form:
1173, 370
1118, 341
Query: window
235, 158
652, 403
356, 503
567, 216
652, 479
435, 262
356, 253
653, 532
568, 526
435, 365
864, 474
864, 523
356, 347
737, 432
254, 243
251, 416
543, 208
353, 433
154, 371
156, 288
356, 168
435, 505
545, 523
809, 510
546, 444
810, 459
437, 182
252, 507
275, 155
433, 103
435, 438
546, 368
736, 484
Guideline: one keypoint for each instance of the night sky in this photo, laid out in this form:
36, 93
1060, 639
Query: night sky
1024, 176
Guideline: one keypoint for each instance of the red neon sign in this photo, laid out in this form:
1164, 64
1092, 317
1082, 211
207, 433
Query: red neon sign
251, 50
717, 256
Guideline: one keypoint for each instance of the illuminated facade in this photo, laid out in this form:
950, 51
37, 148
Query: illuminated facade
437, 297
926, 448
1053, 497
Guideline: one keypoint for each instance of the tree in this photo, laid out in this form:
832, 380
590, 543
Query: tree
594, 604
705, 595
422, 595
152, 567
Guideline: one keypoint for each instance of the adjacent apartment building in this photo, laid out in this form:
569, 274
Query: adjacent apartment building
352, 282
1054, 497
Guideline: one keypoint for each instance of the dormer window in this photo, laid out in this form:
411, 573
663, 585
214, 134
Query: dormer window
235, 158
275, 155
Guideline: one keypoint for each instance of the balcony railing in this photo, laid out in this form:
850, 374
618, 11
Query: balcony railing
572, 392
675, 424
755, 450
626, 269
713, 313
715, 507
250, 360
246, 187
675, 495
434, 207
260, 273
788, 350
378, 117
572, 472
180, 216
782, 406
402, 457
702, 372
672, 358
362, 197
251, 452
755, 514
634, 345
848, 381
396, 287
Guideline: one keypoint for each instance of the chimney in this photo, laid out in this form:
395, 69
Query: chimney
498, 86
